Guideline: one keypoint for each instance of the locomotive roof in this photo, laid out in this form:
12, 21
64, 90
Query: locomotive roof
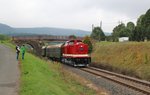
74, 40
52, 46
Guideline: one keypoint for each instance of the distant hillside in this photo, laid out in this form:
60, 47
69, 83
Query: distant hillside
52, 31
5, 29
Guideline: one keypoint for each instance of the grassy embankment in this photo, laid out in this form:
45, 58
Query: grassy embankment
130, 58
40, 77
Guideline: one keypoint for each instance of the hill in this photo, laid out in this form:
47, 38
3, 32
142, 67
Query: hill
52, 31
7, 30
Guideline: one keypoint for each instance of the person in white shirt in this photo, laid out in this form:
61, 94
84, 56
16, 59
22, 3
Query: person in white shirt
17, 51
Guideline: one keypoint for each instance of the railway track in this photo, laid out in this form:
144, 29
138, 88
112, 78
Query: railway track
133, 83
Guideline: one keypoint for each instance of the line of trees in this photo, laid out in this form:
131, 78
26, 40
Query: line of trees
123, 31
140, 32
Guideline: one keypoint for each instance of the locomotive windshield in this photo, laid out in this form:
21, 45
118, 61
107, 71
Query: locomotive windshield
72, 42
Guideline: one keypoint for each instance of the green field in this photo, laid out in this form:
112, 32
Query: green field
130, 58
39, 77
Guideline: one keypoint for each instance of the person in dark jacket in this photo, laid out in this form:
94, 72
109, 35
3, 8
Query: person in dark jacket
17, 51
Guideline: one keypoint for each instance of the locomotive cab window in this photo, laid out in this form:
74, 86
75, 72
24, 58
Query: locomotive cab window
66, 43
78, 41
71, 42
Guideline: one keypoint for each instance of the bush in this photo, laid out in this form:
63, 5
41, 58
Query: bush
88, 41
3, 37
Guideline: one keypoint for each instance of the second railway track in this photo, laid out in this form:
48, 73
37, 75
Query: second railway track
133, 83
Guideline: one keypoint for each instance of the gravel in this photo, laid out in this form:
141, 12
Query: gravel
112, 87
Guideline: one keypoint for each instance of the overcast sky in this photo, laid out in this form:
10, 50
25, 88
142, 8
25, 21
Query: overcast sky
76, 14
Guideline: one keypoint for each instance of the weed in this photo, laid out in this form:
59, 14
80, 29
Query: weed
128, 58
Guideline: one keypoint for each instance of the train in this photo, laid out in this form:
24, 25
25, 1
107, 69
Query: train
73, 52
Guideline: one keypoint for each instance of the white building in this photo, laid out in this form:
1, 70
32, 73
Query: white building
123, 39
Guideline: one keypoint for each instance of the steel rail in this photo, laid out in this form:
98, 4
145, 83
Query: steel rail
123, 76
96, 71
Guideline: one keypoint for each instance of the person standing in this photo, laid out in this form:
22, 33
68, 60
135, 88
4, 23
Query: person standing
17, 51
23, 50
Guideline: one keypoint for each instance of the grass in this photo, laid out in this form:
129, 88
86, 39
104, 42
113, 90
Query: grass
8, 43
39, 77
131, 58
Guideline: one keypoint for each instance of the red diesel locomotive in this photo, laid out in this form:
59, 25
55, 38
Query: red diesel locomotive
73, 52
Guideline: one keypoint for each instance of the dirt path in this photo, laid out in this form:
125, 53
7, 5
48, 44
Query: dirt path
9, 71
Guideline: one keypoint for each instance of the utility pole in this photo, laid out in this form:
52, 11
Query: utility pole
119, 22
101, 29
92, 27
100, 24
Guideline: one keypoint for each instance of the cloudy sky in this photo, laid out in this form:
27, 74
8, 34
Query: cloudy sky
76, 14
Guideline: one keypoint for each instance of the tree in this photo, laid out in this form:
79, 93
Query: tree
138, 34
139, 21
147, 35
146, 19
117, 31
130, 27
144, 23
87, 41
109, 38
98, 34
124, 32
72, 37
